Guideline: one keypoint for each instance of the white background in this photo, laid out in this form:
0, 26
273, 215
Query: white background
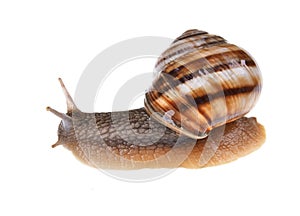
40, 42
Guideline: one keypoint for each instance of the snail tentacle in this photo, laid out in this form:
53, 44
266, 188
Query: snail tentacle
71, 106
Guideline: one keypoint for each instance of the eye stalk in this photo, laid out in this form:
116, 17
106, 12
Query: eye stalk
70, 102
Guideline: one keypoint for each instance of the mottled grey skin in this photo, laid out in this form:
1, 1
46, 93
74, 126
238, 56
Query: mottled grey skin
117, 129
129, 140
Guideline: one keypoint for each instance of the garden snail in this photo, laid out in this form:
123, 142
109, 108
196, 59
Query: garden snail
201, 91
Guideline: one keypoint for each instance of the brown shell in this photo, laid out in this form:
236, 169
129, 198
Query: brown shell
202, 82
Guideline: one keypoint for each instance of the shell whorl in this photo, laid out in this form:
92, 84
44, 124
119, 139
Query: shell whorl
202, 82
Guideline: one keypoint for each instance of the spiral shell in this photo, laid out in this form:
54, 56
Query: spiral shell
202, 82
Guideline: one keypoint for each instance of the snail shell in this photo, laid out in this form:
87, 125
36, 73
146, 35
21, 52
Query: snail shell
202, 82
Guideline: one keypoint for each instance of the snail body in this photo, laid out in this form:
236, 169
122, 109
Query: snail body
200, 123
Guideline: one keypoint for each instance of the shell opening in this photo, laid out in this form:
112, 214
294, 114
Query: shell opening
170, 123
168, 116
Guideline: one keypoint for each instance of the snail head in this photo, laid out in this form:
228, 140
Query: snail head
66, 133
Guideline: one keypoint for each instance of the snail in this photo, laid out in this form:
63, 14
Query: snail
193, 115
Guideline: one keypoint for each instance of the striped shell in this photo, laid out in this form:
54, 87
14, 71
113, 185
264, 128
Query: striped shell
202, 82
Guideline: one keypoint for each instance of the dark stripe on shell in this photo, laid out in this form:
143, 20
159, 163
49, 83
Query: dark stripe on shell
221, 57
200, 101
185, 36
214, 69
226, 92
210, 41
162, 86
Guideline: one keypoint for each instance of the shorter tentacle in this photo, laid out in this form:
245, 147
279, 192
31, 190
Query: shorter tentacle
67, 122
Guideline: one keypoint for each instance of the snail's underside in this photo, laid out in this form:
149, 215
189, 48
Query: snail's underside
127, 140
